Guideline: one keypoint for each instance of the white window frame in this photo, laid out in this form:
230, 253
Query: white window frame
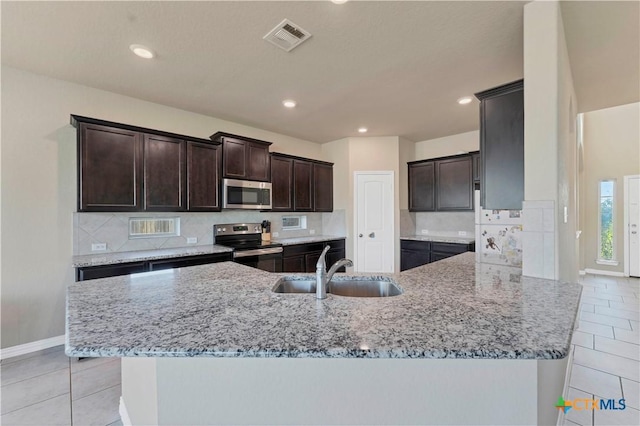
612, 261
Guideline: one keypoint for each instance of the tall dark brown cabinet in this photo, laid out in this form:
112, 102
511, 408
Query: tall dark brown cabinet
502, 146
164, 174
422, 190
203, 176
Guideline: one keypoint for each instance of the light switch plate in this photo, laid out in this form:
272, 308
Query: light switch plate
98, 246
312, 231
192, 240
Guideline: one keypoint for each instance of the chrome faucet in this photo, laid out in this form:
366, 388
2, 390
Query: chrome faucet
323, 277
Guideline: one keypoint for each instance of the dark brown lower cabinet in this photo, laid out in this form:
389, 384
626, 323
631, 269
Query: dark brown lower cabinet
417, 253
303, 257
104, 271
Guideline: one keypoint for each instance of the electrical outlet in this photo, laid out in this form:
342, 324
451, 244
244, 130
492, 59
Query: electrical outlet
312, 231
98, 246
425, 231
462, 233
192, 240
274, 234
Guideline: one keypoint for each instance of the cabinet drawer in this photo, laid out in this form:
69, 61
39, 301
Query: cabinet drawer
302, 249
452, 248
335, 244
415, 245
104, 271
182, 262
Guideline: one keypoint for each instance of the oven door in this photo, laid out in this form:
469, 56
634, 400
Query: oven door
242, 194
269, 259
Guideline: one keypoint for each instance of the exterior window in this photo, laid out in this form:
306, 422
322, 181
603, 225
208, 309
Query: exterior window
606, 222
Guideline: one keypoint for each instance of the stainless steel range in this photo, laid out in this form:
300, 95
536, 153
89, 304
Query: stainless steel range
248, 247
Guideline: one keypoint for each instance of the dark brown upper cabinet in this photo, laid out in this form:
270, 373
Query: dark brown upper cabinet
441, 184
281, 183
454, 184
164, 174
109, 168
477, 167
322, 187
502, 146
422, 190
128, 168
203, 177
244, 158
301, 184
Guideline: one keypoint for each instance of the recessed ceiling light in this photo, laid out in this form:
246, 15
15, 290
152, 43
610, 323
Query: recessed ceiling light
362, 130
289, 103
142, 51
465, 100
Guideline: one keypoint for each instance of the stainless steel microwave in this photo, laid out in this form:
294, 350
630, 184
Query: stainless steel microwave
246, 194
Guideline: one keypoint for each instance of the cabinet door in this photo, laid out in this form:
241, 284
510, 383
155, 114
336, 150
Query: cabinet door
302, 186
258, 162
311, 259
110, 169
412, 259
203, 177
281, 184
234, 158
454, 184
502, 150
164, 174
322, 187
333, 256
294, 264
421, 187
437, 255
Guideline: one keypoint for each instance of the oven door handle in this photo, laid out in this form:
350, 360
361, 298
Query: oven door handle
257, 252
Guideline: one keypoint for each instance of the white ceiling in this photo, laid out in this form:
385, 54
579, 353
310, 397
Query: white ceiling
394, 67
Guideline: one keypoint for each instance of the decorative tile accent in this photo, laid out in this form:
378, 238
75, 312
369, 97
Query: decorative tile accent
501, 244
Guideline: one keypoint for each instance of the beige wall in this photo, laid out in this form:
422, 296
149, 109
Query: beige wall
38, 174
366, 154
550, 146
611, 151
449, 145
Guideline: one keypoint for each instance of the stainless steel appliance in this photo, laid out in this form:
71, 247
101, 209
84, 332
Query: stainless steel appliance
248, 247
246, 194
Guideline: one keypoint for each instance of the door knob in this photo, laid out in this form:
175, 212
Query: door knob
360, 235
372, 235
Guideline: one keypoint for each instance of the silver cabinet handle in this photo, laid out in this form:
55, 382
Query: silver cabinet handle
372, 235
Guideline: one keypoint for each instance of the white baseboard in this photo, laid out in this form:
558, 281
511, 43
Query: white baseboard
31, 347
582, 272
601, 272
124, 414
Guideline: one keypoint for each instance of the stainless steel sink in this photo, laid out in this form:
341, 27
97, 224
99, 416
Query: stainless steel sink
341, 286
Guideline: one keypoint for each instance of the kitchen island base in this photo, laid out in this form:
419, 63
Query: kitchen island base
194, 391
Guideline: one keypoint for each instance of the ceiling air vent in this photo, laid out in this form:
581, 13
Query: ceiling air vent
287, 35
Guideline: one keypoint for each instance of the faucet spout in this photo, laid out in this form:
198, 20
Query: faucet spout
323, 277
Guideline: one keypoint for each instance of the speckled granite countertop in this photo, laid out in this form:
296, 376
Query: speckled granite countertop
453, 308
137, 256
459, 239
306, 240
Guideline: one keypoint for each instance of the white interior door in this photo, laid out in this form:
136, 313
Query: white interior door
374, 248
633, 226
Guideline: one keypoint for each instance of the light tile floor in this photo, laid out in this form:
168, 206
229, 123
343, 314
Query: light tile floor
48, 388
606, 351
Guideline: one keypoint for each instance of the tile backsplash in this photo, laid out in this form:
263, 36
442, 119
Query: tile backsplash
445, 221
112, 229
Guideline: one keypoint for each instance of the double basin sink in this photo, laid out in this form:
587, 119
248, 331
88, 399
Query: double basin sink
352, 286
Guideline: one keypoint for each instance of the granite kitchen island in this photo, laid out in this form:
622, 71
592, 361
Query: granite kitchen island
212, 344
